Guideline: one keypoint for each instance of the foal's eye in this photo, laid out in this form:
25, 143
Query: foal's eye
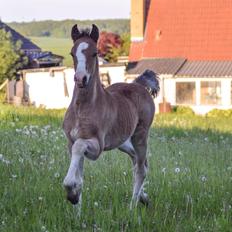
94, 54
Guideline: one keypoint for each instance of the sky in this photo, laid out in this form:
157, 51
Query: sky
29, 10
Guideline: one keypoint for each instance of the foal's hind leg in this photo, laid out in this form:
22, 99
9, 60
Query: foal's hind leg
128, 148
139, 141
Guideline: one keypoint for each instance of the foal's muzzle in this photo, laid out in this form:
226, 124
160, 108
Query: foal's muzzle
81, 80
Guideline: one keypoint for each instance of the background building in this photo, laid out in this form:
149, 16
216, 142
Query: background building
189, 43
36, 57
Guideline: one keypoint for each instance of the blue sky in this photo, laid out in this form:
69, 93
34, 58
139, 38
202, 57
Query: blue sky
28, 10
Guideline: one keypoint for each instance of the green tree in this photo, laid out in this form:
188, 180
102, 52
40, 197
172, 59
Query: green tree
11, 56
123, 49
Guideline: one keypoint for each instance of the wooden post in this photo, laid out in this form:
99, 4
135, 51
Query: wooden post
8, 92
5, 83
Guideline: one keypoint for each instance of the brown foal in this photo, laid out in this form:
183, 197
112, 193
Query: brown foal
101, 119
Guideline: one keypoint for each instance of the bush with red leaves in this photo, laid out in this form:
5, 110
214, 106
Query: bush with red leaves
107, 42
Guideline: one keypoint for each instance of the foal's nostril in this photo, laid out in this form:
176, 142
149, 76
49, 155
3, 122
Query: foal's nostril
84, 81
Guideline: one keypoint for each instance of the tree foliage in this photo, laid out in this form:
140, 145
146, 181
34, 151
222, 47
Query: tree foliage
122, 50
106, 43
62, 29
111, 45
11, 56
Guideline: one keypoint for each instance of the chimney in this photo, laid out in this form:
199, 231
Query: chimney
137, 19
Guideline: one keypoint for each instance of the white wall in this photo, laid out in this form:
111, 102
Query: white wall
45, 87
116, 73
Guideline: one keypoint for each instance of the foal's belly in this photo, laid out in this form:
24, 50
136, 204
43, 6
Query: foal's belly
115, 139
113, 143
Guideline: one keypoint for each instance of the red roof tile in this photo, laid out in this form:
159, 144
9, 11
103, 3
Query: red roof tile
193, 29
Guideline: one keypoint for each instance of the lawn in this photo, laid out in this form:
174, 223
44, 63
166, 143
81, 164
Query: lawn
59, 46
189, 180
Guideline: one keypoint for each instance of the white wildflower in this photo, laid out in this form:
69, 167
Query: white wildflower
14, 176
43, 228
40, 198
177, 170
163, 170
33, 133
5, 161
203, 179
52, 161
124, 173
96, 203
47, 127
12, 124
83, 225
25, 211
26, 132
173, 138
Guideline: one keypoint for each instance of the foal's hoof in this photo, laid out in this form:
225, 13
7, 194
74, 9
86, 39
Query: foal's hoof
144, 199
73, 198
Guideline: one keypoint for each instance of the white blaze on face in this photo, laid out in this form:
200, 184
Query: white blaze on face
81, 60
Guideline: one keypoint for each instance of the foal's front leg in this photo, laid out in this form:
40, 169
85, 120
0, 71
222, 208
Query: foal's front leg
74, 179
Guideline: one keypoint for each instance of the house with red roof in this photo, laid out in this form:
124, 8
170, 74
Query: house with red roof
189, 44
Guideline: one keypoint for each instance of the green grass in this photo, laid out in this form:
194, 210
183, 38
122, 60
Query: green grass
59, 46
189, 180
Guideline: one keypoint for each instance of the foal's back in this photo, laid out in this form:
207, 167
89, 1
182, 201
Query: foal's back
137, 96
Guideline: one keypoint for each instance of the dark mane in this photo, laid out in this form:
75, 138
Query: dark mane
84, 33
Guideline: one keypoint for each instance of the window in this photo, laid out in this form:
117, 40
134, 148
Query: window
210, 92
185, 93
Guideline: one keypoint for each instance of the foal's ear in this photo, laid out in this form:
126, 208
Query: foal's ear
75, 33
94, 33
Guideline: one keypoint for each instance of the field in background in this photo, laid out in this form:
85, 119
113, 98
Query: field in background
189, 180
59, 46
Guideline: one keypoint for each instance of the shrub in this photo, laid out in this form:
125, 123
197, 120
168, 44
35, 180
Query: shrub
2, 96
183, 110
219, 113
11, 56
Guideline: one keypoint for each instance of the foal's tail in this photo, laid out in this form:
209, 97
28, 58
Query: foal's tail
150, 81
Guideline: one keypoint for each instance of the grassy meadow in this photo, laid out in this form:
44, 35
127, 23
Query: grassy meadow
59, 46
189, 180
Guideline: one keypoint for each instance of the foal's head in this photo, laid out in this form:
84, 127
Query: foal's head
84, 53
